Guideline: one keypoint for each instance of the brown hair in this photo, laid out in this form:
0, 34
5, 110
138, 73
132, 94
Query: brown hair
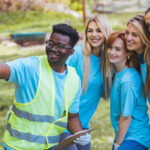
147, 11
108, 69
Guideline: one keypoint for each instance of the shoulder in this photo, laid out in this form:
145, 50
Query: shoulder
130, 75
24, 62
76, 57
78, 49
131, 79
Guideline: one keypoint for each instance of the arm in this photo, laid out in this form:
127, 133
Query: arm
74, 124
4, 71
124, 123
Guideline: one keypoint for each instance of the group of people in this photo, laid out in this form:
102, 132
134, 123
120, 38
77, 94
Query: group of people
62, 90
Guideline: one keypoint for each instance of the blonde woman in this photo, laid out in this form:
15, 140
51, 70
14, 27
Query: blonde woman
87, 60
128, 106
138, 40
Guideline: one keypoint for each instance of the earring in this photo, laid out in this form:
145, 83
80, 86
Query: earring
128, 57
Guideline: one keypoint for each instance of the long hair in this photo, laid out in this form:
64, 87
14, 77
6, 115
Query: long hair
106, 29
147, 11
109, 69
139, 23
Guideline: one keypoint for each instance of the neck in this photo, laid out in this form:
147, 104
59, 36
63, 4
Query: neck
97, 51
120, 67
58, 68
140, 51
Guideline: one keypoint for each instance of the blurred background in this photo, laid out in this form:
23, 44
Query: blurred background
26, 24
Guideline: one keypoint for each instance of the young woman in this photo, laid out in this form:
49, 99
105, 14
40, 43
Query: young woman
128, 107
86, 60
138, 40
147, 18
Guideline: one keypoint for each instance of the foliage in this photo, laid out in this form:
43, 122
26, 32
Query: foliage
74, 4
119, 21
35, 21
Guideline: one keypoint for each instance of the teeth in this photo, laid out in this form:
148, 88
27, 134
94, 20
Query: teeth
95, 40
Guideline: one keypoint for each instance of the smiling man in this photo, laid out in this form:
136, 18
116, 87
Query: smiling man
46, 97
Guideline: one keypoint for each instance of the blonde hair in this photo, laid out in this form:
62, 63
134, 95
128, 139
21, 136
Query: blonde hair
139, 23
106, 29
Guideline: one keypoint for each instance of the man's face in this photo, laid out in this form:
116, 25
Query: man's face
58, 48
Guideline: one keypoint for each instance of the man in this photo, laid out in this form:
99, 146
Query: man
46, 97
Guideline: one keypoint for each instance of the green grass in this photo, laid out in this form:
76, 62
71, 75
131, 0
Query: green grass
102, 135
40, 21
34, 21
119, 21
7, 89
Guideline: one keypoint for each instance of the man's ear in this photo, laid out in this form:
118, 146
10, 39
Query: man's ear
71, 51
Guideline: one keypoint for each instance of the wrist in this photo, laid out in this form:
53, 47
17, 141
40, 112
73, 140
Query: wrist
116, 145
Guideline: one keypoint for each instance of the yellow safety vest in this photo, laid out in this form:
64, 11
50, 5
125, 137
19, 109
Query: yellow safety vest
32, 125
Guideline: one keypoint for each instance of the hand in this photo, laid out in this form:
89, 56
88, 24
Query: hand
116, 146
83, 140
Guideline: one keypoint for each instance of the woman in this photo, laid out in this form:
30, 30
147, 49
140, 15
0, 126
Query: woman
86, 60
128, 106
147, 18
138, 40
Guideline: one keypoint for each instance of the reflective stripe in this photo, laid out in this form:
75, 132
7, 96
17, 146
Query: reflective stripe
38, 118
32, 117
31, 137
62, 124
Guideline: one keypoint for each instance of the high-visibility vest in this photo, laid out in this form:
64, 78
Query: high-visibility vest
32, 126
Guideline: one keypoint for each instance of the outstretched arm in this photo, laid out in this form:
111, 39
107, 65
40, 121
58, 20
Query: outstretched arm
4, 71
74, 124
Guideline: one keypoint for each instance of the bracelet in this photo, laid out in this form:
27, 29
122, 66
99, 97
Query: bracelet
116, 145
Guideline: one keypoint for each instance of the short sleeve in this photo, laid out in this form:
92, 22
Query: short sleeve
75, 105
74, 58
16, 68
25, 75
128, 99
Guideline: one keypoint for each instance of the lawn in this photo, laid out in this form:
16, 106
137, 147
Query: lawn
102, 135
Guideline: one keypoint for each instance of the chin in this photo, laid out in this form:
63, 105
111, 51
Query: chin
131, 48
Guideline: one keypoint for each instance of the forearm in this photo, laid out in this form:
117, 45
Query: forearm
123, 128
4, 71
74, 123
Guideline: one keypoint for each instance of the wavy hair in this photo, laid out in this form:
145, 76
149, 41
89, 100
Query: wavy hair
106, 29
108, 69
139, 23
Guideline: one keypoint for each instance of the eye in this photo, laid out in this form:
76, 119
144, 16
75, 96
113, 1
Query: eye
117, 49
89, 30
135, 34
110, 47
126, 32
49, 43
60, 46
98, 30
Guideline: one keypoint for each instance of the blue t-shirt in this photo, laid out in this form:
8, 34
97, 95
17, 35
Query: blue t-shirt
127, 99
89, 100
143, 75
25, 76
